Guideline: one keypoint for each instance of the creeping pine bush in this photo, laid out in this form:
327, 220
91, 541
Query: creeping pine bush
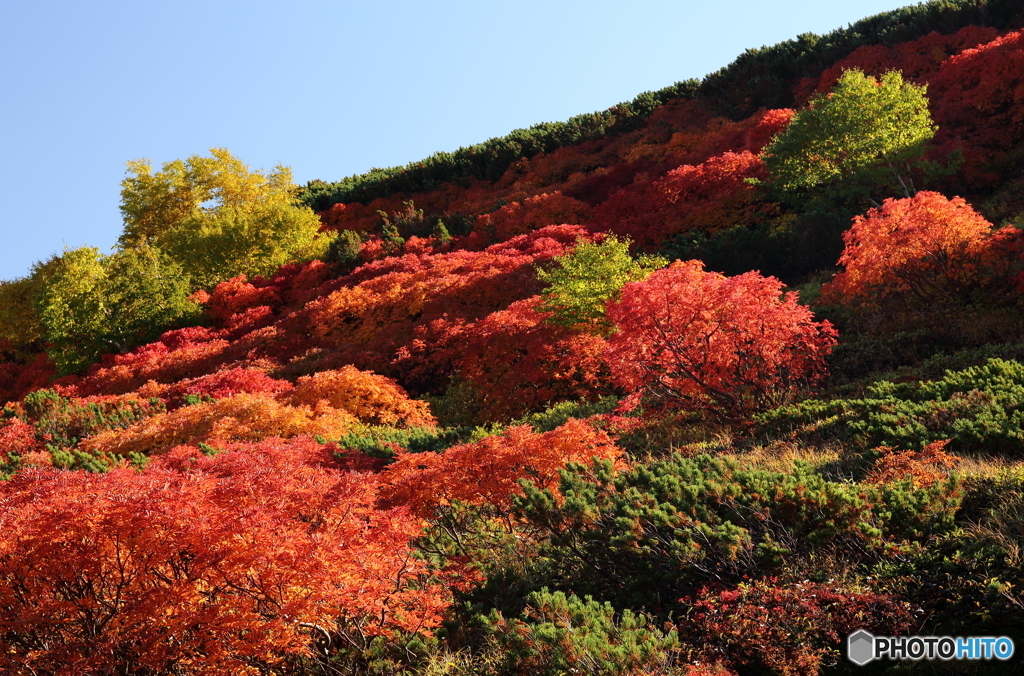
383, 442
62, 422
980, 408
649, 536
563, 634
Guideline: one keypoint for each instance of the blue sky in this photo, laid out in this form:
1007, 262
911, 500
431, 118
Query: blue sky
328, 88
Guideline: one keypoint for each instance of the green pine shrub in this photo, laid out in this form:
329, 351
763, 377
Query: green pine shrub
980, 408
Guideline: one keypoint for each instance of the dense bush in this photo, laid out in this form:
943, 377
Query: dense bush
980, 408
650, 536
687, 339
561, 633
789, 630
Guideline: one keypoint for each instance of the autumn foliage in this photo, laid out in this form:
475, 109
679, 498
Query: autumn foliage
924, 468
689, 339
202, 565
488, 471
298, 475
707, 198
242, 417
370, 398
519, 362
790, 630
927, 245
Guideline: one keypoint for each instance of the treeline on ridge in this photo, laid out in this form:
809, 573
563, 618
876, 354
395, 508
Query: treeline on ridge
758, 78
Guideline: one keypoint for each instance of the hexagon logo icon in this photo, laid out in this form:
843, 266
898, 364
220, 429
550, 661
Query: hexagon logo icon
860, 647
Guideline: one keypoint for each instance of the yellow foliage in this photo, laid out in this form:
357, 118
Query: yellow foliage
217, 218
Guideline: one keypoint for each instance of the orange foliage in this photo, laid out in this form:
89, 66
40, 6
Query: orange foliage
242, 417
203, 565
925, 467
694, 340
488, 471
927, 245
369, 397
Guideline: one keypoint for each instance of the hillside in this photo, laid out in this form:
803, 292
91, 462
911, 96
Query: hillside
697, 385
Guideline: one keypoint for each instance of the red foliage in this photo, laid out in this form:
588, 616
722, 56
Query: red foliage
978, 98
517, 362
520, 218
918, 60
238, 295
791, 630
186, 353
927, 245
708, 197
217, 385
695, 340
401, 316
203, 565
17, 379
488, 471
18, 437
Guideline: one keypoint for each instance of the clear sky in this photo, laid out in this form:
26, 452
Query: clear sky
328, 88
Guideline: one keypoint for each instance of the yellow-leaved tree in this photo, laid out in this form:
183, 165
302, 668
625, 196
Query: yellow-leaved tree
217, 218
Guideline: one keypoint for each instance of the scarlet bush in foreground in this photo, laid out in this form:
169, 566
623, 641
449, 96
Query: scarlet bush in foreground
202, 565
694, 340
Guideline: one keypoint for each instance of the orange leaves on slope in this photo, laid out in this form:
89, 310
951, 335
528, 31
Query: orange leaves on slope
242, 417
927, 245
401, 315
329, 403
694, 340
369, 397
925, 467
489, 470
203, 565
